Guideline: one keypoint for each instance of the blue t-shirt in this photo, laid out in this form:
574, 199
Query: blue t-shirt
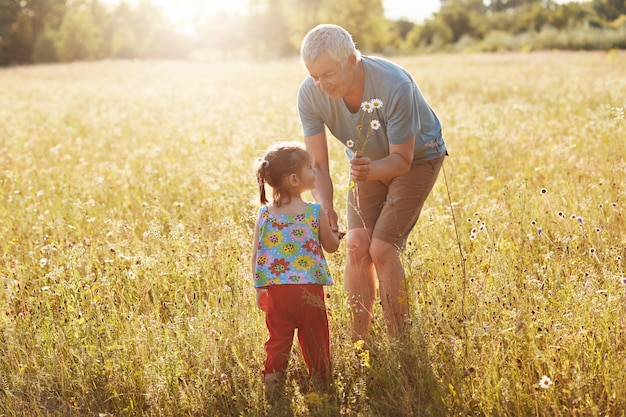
404, 114
289, 249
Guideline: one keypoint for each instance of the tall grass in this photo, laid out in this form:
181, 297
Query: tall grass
128, 200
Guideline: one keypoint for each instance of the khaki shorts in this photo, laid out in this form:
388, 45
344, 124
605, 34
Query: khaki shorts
390, 209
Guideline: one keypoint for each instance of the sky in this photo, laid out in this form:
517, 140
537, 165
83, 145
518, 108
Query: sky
416, 10
181, 12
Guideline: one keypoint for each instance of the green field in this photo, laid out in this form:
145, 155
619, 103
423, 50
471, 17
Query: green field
128, 199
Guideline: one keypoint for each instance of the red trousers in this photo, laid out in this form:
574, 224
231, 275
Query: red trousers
302, 307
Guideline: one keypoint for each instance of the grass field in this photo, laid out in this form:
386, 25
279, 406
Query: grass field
127, 202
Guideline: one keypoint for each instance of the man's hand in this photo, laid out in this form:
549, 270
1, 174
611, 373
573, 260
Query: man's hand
360, 168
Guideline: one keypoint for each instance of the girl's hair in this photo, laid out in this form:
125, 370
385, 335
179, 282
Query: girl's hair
280, 161
331, 39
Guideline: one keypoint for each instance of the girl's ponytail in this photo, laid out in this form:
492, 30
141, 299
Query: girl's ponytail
260, 176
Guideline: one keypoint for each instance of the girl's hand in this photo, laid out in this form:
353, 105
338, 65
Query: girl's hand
261, 298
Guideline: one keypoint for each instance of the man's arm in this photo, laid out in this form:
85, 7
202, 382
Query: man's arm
323, 192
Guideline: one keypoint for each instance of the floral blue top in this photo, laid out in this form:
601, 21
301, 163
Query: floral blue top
289, 249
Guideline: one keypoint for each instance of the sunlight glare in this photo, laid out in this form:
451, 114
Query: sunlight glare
185, 14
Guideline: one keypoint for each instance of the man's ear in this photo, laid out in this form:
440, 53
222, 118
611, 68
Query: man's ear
352, 60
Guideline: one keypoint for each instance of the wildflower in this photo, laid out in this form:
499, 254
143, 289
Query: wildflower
545, 382
350, 143
544, 191
623, 281
367, 106
561, 214
375, 124
539, 231
472, 236
613, 204
376, 103
43, 262
579, 220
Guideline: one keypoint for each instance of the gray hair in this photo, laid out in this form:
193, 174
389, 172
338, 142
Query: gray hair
331, 39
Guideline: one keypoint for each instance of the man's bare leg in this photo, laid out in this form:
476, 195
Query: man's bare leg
360, 282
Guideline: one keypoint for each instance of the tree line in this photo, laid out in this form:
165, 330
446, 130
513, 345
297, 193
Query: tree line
45, 31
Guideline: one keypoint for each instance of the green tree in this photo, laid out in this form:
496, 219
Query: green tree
21, 22
79, 37
500, 5
124, 42
458, 20
45, 49
364, 19
434, 32
609, 10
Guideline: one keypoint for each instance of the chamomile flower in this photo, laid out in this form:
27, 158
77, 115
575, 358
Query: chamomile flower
367, 106
350, 143
375, 124
377, 103
545, 382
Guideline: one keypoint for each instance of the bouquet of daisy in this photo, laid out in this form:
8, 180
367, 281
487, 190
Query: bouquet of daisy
368, 108
359, 145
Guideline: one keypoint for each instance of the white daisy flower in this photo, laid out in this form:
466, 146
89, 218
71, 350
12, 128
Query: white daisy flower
545, 382
350, 143
367, 106
375, 124
377, 103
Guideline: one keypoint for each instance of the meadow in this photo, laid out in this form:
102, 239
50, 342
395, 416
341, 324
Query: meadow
128, 199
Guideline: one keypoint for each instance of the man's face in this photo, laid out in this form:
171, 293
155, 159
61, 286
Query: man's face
330, 77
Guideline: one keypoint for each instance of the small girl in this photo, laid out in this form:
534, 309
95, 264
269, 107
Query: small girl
288, 264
